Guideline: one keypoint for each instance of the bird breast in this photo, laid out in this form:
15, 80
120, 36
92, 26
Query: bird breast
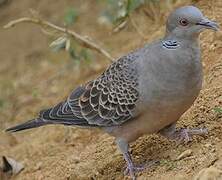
172, 78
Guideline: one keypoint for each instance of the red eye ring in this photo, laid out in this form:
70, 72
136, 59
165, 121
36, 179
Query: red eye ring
183, 22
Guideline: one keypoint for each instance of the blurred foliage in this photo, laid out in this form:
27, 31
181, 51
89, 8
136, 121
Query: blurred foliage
2, 103
71, 16
80, 54
218, 110
118, 10
35, 93
65, 43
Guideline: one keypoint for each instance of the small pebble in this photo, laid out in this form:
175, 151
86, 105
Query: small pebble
208, 145
184, 154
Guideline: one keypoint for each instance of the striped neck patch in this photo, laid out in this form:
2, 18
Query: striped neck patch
170, 44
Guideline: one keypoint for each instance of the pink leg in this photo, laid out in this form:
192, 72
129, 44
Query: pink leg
131, 169
124, 147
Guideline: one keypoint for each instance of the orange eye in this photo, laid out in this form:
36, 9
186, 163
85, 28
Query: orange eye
183, 22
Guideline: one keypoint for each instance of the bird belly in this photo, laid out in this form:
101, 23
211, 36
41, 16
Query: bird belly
164, 108
152, 120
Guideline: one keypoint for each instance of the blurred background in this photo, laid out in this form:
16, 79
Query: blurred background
40, 66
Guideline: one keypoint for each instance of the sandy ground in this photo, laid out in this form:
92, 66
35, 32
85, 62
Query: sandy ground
29, 81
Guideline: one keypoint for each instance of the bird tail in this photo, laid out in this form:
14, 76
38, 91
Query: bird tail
34, 123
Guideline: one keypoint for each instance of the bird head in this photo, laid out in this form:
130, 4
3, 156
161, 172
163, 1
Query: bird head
188, 22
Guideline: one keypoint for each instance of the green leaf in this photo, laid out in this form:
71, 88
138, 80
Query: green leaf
218, 110
58, 44
108, 16
71, 16
35, 93
133, 4
73, 54
85, 54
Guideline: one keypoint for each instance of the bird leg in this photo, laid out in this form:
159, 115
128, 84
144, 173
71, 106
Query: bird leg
124, 148
180, 135
130, 169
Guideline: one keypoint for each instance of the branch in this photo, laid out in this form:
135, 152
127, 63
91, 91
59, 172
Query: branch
120, 26
86, 42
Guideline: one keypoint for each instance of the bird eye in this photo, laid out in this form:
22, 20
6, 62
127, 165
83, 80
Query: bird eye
183, 22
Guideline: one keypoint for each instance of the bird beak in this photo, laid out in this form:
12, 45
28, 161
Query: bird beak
206, 23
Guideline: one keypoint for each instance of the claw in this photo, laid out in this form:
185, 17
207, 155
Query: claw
181, 135
134, 169
131, 169
139, 168
186, 134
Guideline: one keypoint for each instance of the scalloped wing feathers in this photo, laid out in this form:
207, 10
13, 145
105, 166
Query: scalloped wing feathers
106, 101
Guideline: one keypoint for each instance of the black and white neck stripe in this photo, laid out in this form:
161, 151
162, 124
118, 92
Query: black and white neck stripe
170, 44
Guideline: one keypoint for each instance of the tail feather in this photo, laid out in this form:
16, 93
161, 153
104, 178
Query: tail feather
34, 123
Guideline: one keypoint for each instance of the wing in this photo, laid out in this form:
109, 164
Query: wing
106, 101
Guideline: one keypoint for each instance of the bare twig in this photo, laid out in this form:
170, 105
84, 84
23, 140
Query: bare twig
86, 42
120, 26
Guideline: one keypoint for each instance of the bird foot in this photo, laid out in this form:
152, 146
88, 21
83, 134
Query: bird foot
131, 169
185, 135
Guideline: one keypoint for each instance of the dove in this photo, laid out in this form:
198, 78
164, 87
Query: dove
141, 93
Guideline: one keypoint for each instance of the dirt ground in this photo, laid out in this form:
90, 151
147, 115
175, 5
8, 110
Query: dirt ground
29, 82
